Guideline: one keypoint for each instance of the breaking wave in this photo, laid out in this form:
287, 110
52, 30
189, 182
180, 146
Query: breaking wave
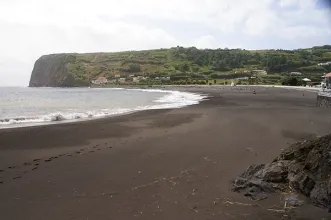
171, 99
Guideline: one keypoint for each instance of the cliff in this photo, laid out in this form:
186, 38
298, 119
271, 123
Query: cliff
52, 71
185, 64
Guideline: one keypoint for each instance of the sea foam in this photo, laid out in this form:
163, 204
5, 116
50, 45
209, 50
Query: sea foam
170, 99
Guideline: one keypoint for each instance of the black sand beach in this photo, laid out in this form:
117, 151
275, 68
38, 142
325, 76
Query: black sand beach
158, 164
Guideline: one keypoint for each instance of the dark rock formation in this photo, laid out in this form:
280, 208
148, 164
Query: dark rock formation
304, 167
51, 71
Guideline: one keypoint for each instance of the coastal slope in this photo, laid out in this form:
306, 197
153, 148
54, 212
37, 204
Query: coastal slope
182, 65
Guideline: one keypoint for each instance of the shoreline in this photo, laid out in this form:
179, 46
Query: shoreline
170, 88
158, 164
21, 121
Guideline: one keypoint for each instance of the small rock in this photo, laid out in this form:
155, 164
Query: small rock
256, 196
293, 200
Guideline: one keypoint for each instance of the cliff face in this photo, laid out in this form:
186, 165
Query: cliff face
52, 71
48, 70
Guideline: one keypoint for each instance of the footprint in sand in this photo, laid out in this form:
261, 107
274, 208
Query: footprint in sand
34, 168
110, 147
27, 164
2, 171
17, 177
1, 182
91, 151
36, 160
11, 167
49, 159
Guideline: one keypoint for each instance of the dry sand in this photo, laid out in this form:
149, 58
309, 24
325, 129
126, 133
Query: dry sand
157, 164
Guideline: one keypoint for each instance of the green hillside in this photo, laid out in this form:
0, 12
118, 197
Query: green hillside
191, 63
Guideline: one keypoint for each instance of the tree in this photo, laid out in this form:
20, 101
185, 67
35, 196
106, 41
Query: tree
213, 75
133, 68
290, 81
182, 67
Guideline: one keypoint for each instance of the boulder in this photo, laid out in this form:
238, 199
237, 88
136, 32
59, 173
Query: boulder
320, 195
274, 172
304, 167
302, 182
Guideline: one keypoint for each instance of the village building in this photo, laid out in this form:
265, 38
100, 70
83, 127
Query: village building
135, 79
100, 80
325, 64
259, 72
165, 78
122, 80
295, 73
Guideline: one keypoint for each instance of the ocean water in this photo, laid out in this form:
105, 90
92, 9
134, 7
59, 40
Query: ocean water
33, 106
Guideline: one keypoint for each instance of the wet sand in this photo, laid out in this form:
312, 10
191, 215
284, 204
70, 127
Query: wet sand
158, 164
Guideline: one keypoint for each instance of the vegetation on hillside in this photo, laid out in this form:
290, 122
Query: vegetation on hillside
192, 64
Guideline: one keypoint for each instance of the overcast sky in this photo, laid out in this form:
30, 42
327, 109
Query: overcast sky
31, 28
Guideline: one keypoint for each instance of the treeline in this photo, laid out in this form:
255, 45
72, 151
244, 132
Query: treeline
273, 61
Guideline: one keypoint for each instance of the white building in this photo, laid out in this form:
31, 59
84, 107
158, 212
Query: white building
122, 80
113, 81
242, 78
167, 78
100, 80
325, 64
135, 79
295, 73
259, 72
